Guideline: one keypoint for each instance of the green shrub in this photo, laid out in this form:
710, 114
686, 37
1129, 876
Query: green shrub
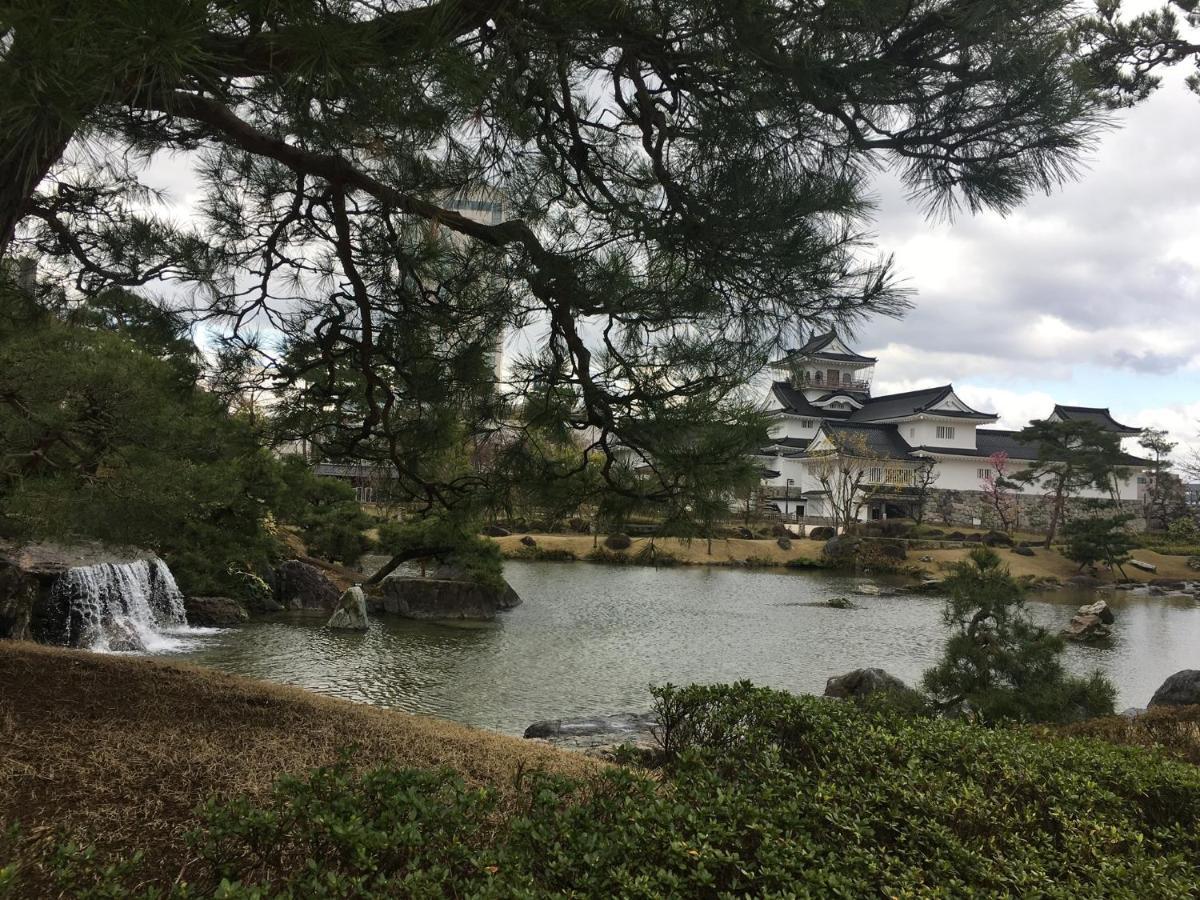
760, 793
542, 554
1000, 662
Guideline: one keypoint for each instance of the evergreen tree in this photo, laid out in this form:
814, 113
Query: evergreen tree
1073, 456
1094, 539
661, 192
998, 661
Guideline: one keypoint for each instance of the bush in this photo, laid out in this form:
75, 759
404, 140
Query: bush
760, 793
543, 554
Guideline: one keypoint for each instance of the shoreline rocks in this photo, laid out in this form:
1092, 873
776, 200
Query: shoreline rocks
442, 598
300, 587
1180, 689
214, 612
596, 734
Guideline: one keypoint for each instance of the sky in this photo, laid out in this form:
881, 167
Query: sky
1089, 296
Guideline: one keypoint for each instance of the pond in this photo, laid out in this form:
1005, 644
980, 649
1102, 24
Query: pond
591, 638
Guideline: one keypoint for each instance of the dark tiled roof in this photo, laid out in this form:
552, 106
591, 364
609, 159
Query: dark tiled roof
796, 443
1098, 415
998, 440
813, 347
882, 439
794, 401
894, 406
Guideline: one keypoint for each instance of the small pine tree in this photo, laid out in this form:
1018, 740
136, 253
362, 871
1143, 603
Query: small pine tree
1099, 539
999, 661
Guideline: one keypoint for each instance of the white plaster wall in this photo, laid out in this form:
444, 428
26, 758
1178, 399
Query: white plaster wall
963, 475
923, 433
793, 427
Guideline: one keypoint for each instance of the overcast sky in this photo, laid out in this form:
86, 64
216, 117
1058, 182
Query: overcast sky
1090, 296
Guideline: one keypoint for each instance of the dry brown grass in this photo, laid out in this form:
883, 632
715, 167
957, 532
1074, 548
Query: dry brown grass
1043, 564
119, 752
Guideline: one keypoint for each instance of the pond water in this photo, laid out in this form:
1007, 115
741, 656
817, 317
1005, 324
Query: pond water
591, 638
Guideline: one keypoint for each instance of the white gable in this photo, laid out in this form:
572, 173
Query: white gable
836, 346
951, 403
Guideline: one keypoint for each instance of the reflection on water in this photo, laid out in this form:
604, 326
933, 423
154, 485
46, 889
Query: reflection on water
591, 638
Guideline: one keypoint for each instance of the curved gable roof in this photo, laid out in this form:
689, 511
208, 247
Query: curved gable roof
910, 403
1096, 414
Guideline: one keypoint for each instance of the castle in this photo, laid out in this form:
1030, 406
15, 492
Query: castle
821, 398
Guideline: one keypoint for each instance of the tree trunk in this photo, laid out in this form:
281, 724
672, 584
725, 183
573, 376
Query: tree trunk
1055, 515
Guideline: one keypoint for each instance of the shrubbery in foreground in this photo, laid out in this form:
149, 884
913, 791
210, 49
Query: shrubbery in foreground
760, 793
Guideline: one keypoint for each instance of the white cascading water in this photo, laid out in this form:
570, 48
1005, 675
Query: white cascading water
111, 607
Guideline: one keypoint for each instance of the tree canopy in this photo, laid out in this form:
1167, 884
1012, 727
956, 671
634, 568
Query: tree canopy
660, 192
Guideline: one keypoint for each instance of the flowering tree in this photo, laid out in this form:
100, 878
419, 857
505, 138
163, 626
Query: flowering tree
1000, 491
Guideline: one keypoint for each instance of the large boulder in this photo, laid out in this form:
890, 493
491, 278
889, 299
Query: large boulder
996, 539
528, 541
862, 683
1100, 609
214, 612
841, 550
351, 612
1023, 551
822, 532
442, 598
618, 541
305, 588
495, 531
1181, 689
784, 543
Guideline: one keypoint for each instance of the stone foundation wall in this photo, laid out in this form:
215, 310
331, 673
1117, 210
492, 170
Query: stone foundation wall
947, 507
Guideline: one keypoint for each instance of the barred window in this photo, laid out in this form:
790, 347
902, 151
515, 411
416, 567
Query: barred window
945, 432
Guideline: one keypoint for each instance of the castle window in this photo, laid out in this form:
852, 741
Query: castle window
875, 476
845, 378
807, 423
945, 432
817, 376
983, 473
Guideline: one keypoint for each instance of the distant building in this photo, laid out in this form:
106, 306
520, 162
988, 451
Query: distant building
822, 398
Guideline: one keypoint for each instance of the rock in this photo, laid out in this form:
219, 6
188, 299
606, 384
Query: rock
841, 550
784, 543
867, 589
1132, 712
299, 586
956, 536
121, 637
780, 530
822, 533
926, 559
1085, 627
351, 612
1023, 551
745, 534
996, 539
597, 734
214, 612
935, 533
442, 598
1085, 582
863, 683
1193, 562
1181, 689
1144, 566
1170, 584
960, 711
840, 603
1100, 609
494, 531
28, 572
974, 538
618, 541
528, 541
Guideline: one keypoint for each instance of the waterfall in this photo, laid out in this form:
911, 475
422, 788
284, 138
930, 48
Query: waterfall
119, 606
